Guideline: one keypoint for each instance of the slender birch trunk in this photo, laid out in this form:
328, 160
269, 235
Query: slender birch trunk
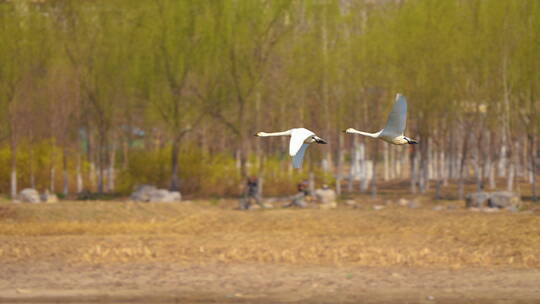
353, 169
374, 171
65, 181
111, 171
78, 173
363, 168
532, 167
339, 164
386, 160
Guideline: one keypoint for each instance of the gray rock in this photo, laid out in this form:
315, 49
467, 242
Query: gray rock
477, 200
325, 196
413, 204
513, 209
142, 193
504, 199
148, 193
489, 209
403, 202
48, 197
350, 202
29, 195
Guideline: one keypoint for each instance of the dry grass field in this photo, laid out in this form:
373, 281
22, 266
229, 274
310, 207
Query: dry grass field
207, 252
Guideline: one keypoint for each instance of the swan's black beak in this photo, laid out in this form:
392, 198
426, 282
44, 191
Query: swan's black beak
320, 140
412, 142
255, 134
344, 131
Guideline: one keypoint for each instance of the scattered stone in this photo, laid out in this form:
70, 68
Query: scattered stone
350, 202
378, 207
504, 199
326, 197
29, 195
148, 193
477, 200
430, 298
413, 204
513, 209
438, 208
328, 206
165, 196
388, 202
253, 207
489, 209
501, 199
403, 202
48, 197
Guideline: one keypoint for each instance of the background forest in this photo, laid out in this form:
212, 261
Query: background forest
104, 95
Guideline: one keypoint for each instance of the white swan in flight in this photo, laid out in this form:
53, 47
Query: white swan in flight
395, 125
300, 140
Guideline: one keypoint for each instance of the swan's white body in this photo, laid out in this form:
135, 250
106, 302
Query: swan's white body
300, 140
395, 125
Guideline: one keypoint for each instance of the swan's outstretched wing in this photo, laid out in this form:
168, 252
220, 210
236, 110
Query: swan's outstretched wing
298, 136
395, 125
299, 157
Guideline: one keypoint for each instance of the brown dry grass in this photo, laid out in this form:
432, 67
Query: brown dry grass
103, 232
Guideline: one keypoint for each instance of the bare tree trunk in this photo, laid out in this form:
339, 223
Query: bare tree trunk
311, 182
175, 184
13, 182
31, 167
414, 169
111, 171
532, 164
260, 183
477, 169
100, 169
90, 158
79, 174
424, 163
125, 153
492, 183
440, 174
363, 167
393, 163
354, 162
465, 149
430, 159
443, 168
512, 168
339, 164
52, 176
386, 160
374, 172
510, 178
65, 183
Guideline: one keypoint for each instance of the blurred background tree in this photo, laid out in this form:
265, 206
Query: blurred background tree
117, 93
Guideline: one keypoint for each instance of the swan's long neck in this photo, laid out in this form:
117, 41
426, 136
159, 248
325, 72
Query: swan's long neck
284, 133
354, 131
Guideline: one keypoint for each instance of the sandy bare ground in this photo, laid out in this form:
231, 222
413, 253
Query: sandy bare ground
261, 283
117, 252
